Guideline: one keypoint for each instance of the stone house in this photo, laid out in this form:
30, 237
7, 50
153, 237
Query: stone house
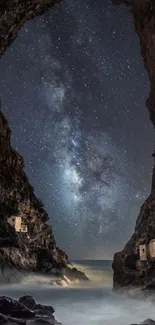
147, 252
17, 223
143, 252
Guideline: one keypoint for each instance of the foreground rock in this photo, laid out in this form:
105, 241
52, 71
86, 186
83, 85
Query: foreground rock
128, 271
25, 311
12, 308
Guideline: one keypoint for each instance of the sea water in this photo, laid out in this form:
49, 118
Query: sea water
91, 304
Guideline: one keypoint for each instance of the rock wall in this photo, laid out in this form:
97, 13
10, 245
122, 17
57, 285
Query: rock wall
36, 250
13, 15
127, 268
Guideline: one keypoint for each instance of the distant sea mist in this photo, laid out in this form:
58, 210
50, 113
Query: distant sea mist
92, 303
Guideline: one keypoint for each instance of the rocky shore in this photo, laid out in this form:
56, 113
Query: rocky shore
25, 311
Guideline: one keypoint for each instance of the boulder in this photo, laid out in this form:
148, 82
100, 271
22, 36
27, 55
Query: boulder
44, 310
27, 301
14, 309
14, 312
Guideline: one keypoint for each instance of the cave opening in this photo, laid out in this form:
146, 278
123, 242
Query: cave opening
74, 95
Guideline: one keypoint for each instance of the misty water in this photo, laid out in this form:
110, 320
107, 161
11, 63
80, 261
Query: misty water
91, 304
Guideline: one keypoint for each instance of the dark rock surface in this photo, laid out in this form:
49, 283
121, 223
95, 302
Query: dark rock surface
37, 250
73, 274
13, 15
29, 302
147, 322
11, 321
127, 271
12, 308
17, 312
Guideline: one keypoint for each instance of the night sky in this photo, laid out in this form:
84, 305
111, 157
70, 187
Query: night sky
73, 88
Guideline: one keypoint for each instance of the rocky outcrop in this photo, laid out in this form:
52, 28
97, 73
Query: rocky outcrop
127, 268
36, 250
13, 15
144, 20
25, 311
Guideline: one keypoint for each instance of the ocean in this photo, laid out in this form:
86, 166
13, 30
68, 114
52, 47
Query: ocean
91, 304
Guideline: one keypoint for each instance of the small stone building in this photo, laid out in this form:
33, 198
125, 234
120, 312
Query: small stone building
16, 222
152, 249
143, 252
147, 251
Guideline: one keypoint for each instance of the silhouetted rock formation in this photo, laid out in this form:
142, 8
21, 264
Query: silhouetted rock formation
35, 250
13, 15
25, 311
127, 269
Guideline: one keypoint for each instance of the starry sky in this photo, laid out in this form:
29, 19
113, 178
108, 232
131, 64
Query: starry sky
73, 88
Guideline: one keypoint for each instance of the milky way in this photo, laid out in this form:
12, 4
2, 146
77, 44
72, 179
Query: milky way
73, 88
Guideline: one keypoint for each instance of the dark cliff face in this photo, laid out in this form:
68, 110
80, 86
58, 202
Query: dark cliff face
144, 20
13, 15
35, 250
127, 268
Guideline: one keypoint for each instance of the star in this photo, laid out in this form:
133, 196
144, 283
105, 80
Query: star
71, 91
